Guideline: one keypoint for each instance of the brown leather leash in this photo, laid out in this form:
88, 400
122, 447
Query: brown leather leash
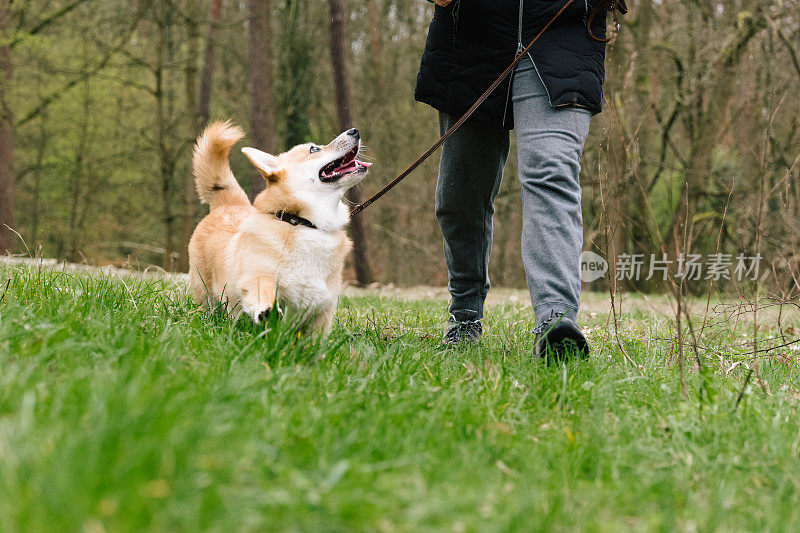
610, 4
614, 6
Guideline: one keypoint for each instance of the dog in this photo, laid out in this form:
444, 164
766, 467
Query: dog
287, 247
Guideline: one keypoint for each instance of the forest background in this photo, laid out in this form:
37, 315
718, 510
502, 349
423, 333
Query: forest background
697, 150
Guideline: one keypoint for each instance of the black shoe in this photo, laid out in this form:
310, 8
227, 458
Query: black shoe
558, 339
462, 327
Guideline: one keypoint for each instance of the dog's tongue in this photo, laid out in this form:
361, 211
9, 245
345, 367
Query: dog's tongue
351, 166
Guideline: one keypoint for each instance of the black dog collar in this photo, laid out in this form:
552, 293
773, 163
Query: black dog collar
294, 220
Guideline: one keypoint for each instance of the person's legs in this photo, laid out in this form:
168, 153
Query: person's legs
470, 172
549, 146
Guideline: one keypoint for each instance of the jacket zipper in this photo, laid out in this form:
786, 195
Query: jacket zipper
456, 6
521, 48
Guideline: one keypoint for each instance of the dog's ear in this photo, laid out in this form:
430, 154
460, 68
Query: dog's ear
267, 164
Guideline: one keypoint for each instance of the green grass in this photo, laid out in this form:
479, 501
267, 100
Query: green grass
125, 407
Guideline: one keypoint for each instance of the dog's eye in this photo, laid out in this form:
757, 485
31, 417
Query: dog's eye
314, 149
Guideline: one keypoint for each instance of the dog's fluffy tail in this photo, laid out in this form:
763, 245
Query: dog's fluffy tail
215, 182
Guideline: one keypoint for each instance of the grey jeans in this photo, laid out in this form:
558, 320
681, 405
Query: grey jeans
549, 146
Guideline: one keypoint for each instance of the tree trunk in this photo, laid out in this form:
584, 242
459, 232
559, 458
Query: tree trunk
193, 113
295, 72
357, 228
262, 112
38, 170
198, 109
6, 136
376, 50
209, 55
79, 174
711, 124
617, 163
166, 166
641, 241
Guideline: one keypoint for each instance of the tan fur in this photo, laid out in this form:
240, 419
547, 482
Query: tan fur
211, 168
243, 257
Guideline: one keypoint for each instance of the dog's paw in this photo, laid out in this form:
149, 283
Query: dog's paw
264, 315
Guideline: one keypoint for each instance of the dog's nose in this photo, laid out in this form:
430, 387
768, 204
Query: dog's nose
352, 132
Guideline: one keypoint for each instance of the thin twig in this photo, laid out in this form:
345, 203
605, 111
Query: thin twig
25, 244
744, 387
3, 297
612, 285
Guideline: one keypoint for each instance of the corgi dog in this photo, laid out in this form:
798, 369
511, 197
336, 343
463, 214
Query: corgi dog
289, 246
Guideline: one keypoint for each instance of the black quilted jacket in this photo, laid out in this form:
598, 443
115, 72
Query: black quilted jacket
471, 42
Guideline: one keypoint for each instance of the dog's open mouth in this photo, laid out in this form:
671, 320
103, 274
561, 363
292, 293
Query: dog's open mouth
347, 164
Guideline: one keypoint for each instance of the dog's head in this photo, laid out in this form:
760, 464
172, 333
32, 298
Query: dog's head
310, 178
313, 168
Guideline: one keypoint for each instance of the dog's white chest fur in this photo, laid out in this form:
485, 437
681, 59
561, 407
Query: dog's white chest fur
301, 264
304, 270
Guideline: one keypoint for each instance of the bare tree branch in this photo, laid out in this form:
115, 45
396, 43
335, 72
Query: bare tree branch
47, 21
55, 95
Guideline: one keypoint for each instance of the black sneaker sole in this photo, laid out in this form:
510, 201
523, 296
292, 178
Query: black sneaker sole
564, 342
